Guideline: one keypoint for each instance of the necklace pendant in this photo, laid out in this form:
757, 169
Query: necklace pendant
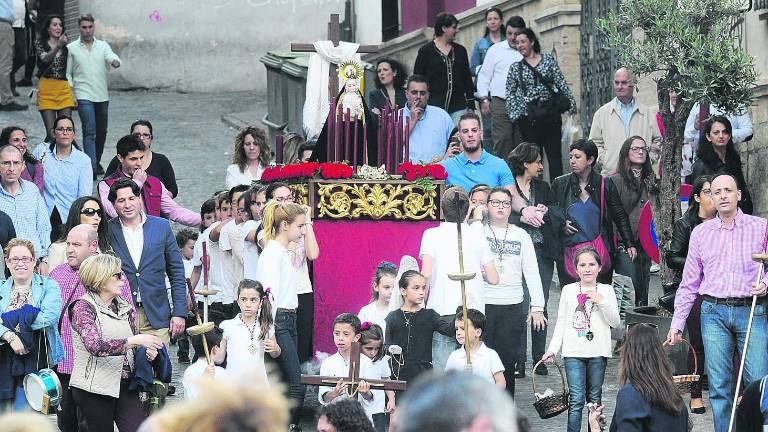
500, 266
590, 335
252, 349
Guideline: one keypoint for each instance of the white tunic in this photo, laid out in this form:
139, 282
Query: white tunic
337, 366
240, 361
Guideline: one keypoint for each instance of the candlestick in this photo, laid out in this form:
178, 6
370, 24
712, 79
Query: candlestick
407, 156
379, 138
279, 156
365, 143
331, 130
337, 142
354, 148
388, 159
347, 138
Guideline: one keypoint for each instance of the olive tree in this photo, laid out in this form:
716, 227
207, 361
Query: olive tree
687, 46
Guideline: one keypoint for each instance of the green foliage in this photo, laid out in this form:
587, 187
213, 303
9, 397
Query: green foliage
687, 45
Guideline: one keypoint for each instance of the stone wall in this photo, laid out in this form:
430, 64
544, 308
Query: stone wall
203, 46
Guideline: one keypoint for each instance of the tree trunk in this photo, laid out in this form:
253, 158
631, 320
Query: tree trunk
666, 204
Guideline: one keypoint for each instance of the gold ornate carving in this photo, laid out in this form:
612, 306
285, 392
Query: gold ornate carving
376, 201
300, 193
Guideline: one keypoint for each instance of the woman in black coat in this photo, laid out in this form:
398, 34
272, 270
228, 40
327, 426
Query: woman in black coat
718, 155
390, 83
579, 195
700, 209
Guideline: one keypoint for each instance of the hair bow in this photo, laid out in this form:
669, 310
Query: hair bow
386, 264
365, 326
267, 292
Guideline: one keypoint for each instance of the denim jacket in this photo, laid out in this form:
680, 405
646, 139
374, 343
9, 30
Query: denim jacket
46, 296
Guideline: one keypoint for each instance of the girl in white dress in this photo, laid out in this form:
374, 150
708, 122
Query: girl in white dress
251, 333
381, 288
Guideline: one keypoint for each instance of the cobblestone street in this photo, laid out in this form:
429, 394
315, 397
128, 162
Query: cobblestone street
189, 130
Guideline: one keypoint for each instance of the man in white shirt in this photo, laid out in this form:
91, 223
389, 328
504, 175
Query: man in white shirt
492, 88
440, 256
87, 66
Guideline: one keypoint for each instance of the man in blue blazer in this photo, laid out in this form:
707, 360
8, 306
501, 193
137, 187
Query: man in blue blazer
148, 249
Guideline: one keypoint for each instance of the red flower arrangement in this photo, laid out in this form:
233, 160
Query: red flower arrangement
307, 170
411, 171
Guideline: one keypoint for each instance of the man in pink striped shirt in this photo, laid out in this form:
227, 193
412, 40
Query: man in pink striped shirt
719, 267
82, 242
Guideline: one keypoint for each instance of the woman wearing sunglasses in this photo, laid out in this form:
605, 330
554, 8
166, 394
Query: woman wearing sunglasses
84, 210
648, 401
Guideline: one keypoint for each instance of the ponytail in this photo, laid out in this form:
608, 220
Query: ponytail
265, 314
276, 213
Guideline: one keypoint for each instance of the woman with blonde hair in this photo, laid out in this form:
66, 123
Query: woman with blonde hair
284, 223
105, 340
250, 155
29, 308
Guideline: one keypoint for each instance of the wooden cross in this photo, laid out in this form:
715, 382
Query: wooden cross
334, 34
353, 377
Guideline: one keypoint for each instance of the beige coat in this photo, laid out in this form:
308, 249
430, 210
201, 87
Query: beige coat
608, 133
102, 375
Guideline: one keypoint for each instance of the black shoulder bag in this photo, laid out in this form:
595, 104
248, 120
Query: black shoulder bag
539, 109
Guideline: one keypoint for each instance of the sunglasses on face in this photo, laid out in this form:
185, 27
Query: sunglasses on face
91, 211
119, 276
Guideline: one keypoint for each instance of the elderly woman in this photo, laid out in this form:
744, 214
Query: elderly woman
592, 207
250, 156
33, 169
30, 306
104, 340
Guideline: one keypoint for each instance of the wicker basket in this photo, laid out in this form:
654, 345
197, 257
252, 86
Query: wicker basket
555, 404
684, 382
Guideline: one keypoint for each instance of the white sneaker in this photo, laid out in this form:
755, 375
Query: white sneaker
655, 268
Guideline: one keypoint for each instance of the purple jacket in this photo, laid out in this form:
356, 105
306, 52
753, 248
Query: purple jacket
38, 177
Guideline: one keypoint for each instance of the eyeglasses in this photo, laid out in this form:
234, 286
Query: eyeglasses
92, 211
642, 149
652, 325
11, 164
284, 199
497, 203
119, 276
24, 259
142, 135
62, 130
241, 209
19, 140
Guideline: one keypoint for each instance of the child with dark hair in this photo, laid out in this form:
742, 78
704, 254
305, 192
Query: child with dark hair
346, 330
371, 345
343, 416
251, 334
485, 362
381, 292
185, 240
410, 328
440, 256
201, 370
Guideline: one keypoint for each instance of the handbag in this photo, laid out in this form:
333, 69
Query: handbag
539, 109
570, 252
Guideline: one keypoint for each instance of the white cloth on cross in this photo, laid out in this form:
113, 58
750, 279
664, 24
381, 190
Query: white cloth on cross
316, 105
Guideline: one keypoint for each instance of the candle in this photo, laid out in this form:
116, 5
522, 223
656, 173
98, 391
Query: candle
388, 158
365, 143
337, 138
407, 156
379, 139
279, 149
330, 130
347, 138
205, 265
354, 148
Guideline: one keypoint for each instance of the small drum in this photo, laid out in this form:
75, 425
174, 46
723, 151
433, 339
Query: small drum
43, 390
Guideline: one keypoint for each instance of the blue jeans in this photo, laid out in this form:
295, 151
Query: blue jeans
17, 404
94, 118
723, 329
442, 346
585, 381
286, 336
